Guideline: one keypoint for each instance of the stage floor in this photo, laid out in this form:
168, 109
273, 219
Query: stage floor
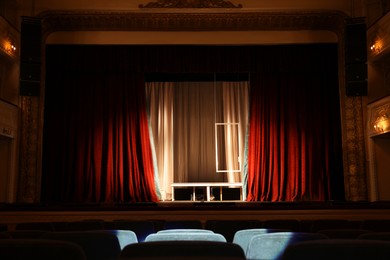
11, 214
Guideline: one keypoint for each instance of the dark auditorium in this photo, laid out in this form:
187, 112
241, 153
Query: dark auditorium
194, 129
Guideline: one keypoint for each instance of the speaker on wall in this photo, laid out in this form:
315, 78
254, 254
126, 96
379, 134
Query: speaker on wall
356, 71
355, 39
356, 79
29, 88
30, 39
30, 56
356, 88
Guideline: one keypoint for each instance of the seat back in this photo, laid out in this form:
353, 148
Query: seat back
84, 225
21, 234
375, 236
183, 250
343, 233
142, 228
287, 224
45, 226
243, 237
185, 230
377, 225
125, 237
321, 224
96, 245
5, 234
182, 224
185, 236
229, 227
24, 249
272, 245
338, 249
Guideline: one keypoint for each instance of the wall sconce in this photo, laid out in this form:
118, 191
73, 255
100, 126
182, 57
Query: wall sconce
9, 47
376, 47
381, 124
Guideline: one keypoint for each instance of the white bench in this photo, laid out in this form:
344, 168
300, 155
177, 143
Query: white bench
206, 185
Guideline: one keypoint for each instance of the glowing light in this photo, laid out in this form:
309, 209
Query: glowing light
9, 47
377, 46
382, 124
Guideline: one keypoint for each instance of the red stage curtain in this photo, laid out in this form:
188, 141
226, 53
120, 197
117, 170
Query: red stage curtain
97, 146
294, 136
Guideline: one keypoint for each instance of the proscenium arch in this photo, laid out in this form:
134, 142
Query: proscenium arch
227, 27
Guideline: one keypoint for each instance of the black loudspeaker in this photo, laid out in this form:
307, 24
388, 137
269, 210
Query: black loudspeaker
355, 39
30, 56
356, 88
31, 40
29, 88
356, 72
30, 71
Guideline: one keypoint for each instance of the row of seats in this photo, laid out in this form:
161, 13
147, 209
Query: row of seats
225, 227
271, 243
249, 244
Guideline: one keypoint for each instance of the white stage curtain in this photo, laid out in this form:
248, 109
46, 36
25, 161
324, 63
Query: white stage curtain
235, 107
182, 117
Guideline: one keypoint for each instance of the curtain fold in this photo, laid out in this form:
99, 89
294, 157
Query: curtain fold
97, 143
104, 147
293, 140
183, 117
235, 110
160, 103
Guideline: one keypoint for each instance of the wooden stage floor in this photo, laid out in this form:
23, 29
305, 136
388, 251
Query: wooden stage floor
11, 214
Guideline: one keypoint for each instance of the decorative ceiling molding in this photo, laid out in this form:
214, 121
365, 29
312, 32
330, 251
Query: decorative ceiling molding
53, 21
190, 4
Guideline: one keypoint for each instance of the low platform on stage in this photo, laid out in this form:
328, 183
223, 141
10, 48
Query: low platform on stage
207, 191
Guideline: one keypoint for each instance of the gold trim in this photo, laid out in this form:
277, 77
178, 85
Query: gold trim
53, 21
190, 4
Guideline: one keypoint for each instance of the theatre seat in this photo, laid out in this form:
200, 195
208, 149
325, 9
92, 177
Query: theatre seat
338, 249
125, 237
229, 227
5, 235
185, 230
385, 236
243, 237
343, 233
23, 249
321, 224
272, 245
177, 224
3, 227
378, 225
97, 245
21, 234
200, 250
287, 224
142, 228
46, 226
84, 225
185, 236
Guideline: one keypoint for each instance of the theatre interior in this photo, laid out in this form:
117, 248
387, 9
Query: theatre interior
147, 115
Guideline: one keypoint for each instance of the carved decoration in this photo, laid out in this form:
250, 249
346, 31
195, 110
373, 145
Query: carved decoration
29, 188
354, 163
386, 70
132, 21
190, 4
378, 126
